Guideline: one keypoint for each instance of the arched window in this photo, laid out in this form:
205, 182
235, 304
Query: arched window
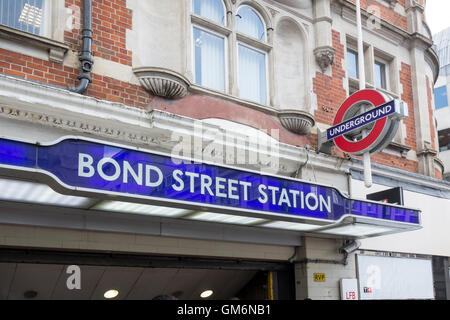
252, 70
218, 43
211, 9
250, 23
209, 45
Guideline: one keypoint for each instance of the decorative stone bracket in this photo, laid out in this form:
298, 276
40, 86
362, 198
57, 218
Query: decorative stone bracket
296, 121
401, 148
324, 57
171, 85
162, 82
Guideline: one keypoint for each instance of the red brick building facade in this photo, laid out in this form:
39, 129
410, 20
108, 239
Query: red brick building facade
111, 21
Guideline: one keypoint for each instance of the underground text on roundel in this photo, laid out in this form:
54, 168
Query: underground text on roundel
361, 120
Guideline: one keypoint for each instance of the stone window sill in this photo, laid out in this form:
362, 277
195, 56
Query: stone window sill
399, 147
354, 84
56, 50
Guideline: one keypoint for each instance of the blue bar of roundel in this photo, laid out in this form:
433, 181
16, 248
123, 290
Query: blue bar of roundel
333, 136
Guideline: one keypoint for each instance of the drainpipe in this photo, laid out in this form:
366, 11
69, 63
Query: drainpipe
85, 56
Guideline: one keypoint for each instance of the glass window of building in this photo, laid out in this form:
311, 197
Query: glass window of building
252, 74
214, 50
25, 15
380, 75
352, 64
252, 77
209, 59
209, 46
249, 22
440, 97
211, 9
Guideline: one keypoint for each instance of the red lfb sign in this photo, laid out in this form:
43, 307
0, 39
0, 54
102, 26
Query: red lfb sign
349, 289
350, 295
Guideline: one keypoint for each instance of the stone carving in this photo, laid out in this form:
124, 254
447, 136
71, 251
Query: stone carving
296, 121
272, 11
163, 83
324, 57
80, 126
392, 3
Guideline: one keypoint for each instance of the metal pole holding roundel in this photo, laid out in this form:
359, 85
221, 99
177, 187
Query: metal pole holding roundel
362, 86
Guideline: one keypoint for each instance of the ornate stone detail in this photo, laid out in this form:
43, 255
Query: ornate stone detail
324, 57
273, 12
81, 126
392, 3
163, 83
299, 122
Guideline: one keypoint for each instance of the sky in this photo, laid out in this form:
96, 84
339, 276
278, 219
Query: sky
438, 15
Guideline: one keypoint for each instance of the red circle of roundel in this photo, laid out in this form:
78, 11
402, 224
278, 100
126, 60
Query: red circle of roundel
376, 99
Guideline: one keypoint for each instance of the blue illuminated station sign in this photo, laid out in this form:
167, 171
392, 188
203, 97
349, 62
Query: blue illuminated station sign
98, 168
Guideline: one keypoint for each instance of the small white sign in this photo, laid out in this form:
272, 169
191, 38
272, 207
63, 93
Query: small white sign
349, 289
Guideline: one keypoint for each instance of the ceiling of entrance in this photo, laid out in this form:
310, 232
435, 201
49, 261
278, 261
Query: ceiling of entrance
49, 282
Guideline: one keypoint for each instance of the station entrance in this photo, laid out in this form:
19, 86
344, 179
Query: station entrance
52, 275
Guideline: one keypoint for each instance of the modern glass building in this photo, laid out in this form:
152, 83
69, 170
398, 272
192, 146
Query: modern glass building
441, 97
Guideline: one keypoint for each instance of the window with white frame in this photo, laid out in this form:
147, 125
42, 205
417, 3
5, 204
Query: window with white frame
31, 16
385, 72
380, 75
209, 45
352, 64
352, 70
212, 41
252, 74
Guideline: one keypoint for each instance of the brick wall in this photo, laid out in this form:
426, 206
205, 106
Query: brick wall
105, 88
330, 89
27, 67
407, 96
396, 162
110, 21
385, 12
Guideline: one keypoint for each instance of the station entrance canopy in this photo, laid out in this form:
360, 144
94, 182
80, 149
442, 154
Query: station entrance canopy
131, 180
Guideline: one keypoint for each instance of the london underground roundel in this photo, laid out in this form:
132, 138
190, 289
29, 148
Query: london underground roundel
366, 122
